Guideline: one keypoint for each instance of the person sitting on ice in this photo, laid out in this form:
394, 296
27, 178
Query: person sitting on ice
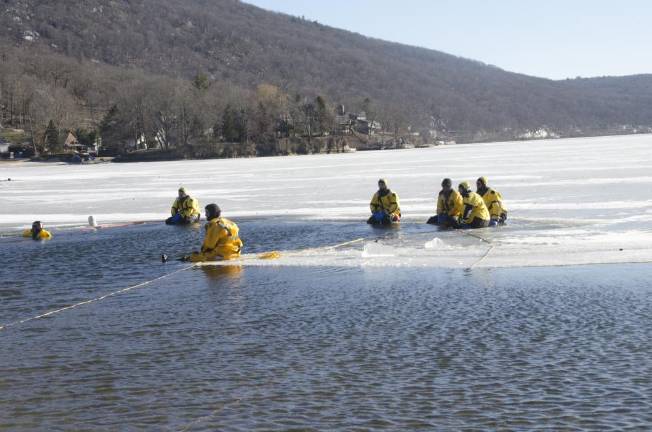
493, 200
222, 240
475, 213
185, 209
384, 206
37, 232
449, 206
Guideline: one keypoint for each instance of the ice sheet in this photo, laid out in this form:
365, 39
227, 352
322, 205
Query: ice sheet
571, 201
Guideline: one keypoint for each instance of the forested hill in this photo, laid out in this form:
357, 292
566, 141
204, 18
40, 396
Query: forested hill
238, 44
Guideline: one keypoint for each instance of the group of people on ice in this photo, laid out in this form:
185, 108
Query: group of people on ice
460, 209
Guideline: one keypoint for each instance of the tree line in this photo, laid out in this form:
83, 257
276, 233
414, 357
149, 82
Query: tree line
127, 110
70, 56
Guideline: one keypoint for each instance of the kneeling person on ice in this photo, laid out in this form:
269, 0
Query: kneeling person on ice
494, 202
475, 213
185, 209
449, 206
221, 242
37, 232
384, 206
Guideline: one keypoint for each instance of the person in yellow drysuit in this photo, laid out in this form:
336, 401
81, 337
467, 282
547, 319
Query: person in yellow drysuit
449, 206
384, 206
185, 210
493, 201
222, 240
475, 213
37, 232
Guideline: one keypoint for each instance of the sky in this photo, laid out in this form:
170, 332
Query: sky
545, 38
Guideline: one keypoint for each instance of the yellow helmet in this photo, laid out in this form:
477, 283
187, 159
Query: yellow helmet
465, 186
483, 180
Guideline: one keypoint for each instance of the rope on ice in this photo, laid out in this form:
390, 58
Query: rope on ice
94, 300
486, 254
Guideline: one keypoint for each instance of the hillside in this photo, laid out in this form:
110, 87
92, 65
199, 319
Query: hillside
241, 46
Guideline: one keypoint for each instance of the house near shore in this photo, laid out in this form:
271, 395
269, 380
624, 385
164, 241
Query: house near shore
4, 146
158, 140
70, 142
348, 123
72, 145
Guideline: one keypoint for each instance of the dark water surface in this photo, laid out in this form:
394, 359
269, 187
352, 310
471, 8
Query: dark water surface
283, 348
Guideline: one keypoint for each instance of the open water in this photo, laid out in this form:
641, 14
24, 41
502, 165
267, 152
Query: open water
314, 348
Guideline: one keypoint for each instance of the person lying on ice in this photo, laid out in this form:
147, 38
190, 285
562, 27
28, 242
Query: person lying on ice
384, 206
449, 206
494, 202
37, 232
222, 240
185, 209
475, 213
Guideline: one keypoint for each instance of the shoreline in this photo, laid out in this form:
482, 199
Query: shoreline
165, 157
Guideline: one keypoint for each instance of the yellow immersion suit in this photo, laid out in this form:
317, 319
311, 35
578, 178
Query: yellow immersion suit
188, 207
478, 208
387, 203
494, 202
42, 235
221, 241
452, 205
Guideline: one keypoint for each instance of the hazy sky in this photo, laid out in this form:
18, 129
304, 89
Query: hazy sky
548, 38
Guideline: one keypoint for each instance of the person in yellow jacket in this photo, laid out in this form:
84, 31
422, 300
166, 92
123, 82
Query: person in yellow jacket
37, 232
493, 200
384, 205
475, 213
449, 206
185, 209
222, 239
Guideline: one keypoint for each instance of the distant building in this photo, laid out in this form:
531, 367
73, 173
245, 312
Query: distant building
71, 144
346, 123
367, 127
71, 140
343, 123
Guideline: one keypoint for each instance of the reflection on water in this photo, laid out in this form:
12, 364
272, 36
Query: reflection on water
242, 348
220, 272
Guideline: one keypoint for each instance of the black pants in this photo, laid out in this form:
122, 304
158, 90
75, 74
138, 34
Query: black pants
443, 221
176, 220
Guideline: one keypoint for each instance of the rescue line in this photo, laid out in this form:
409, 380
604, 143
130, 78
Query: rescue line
93, 300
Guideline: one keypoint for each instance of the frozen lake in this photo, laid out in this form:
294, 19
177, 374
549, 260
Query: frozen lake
404, 329
571, 201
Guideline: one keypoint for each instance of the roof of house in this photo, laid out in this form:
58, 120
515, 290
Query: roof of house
71, 139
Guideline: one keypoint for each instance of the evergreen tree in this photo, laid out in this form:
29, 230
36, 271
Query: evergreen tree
230, 131
201, 82
323, 118
52, 138
86, 137
234, 125
113, 132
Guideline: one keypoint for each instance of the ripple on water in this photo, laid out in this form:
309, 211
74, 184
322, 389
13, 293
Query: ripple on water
321, 349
